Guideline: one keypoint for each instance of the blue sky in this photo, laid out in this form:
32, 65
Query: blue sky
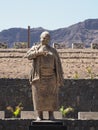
49, 14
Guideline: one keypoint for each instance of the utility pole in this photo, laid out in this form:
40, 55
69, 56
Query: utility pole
28, 36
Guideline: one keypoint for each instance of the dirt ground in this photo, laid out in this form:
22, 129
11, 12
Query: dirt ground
76, 63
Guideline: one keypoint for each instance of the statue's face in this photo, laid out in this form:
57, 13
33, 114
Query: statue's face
45, 39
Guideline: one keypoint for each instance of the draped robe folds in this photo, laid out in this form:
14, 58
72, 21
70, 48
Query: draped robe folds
46, 77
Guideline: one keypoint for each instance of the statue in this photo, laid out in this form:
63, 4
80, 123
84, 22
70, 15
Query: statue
46, 76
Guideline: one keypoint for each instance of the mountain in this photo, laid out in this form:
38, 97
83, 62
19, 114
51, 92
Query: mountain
83, 32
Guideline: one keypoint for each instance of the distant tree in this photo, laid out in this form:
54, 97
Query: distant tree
3, 45
18, 45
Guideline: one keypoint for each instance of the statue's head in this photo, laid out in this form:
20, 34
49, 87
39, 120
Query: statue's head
45, 37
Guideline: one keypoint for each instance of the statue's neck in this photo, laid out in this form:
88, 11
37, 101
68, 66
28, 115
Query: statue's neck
44, 44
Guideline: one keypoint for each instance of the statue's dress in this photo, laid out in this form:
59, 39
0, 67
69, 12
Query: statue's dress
44, 81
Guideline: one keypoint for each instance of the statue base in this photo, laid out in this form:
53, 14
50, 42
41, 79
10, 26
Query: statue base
47, 125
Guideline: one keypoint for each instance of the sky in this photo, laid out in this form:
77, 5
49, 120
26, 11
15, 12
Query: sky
48, 14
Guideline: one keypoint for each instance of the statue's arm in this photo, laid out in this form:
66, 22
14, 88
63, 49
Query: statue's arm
34, 52
60, 70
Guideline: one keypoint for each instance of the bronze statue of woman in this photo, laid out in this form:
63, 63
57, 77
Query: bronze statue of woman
46, 76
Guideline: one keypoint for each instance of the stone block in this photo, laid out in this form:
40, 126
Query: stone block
2, 114
56, 45
28, 115
88, 115
78, 46
32, 115
94, 45
57, 115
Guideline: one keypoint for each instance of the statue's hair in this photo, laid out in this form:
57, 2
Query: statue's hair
44, 34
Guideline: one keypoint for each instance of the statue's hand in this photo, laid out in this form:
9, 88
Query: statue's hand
43, 51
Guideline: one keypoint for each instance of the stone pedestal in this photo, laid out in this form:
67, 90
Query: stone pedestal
47, 125
88, 115
33, 114
2, 114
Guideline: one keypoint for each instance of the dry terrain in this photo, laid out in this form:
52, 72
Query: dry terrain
76, 63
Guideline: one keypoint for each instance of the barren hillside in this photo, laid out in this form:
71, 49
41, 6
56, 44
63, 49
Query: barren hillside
83, 32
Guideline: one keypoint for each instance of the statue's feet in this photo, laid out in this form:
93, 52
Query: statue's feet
51, 116
40, 116
38, 119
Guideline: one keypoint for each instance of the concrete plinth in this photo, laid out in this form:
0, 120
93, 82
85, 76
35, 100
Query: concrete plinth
47, 125
88, 115
2, 114
33, 114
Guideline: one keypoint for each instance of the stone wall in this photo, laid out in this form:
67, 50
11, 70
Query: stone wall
81, 94
20, 124
14, 124
15, 91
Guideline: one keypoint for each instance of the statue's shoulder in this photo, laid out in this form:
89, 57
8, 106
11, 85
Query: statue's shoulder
36, 46
53, 49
